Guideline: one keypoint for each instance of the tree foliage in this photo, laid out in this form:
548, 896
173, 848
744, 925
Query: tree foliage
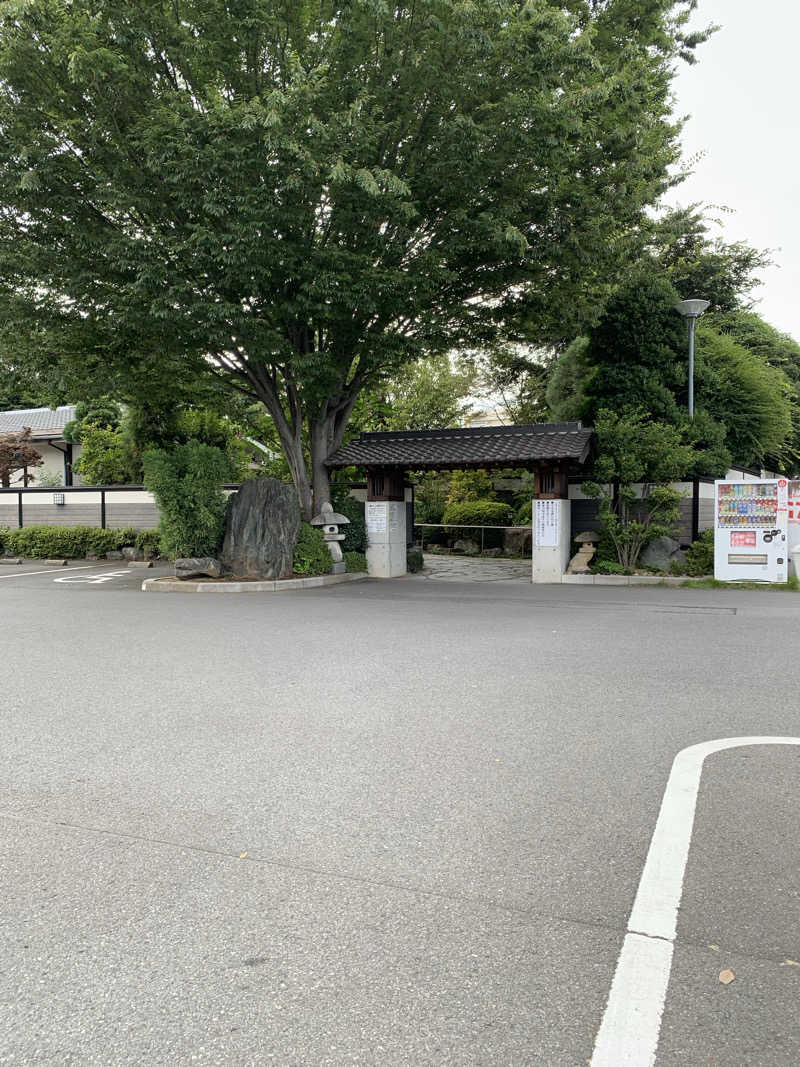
431, 394
104, 459
636, 357
17, 453
741, 391
642, 457
186, 482
697, 264
297, 199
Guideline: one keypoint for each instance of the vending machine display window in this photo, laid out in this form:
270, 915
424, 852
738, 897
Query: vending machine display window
747, 504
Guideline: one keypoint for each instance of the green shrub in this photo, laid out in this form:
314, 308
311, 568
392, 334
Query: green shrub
478, 513
523, 516
62, 542
700, 556
355, 534
104, 460
149, 541
415, 561
428, 509
608, 566
469, 487
187, 485
311, 554
463, 519
127, 535
356, 562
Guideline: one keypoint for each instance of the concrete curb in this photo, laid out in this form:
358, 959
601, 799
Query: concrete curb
172, 585
619, 579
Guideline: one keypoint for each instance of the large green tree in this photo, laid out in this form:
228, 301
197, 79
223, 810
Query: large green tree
298, 198
699, 264
636, 357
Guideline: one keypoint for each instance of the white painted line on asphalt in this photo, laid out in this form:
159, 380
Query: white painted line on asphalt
628, 1034
91, 579
27, 574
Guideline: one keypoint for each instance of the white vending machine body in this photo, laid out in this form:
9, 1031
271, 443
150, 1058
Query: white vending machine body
751, 523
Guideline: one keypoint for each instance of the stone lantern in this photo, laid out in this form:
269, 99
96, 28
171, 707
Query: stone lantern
330, 521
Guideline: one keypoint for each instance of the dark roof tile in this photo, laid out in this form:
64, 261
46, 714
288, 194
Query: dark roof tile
484, 446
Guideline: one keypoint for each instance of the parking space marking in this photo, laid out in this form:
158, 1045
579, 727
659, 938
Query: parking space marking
92, 579
27, 574
629, 1032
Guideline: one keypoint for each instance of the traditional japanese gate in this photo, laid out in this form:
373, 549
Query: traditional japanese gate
552, 451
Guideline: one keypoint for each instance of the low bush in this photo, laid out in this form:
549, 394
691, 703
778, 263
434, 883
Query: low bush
356, 562
700, 555
478, 513
64, 542
149, 541
608, 566
415, 561
463, 520
311, 554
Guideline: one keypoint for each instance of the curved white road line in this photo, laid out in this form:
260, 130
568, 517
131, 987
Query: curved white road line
628, 1034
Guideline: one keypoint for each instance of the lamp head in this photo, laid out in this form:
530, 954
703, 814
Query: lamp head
692, 309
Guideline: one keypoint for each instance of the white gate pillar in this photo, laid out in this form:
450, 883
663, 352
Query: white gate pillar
385, 513
552, 527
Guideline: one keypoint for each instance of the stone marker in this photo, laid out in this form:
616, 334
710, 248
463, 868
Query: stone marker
263, 525
130, 553
579, 564
661, 553
197, 567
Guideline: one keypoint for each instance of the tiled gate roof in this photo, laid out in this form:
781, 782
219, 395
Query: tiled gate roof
484, 446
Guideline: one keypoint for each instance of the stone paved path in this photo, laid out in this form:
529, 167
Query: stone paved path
471, 569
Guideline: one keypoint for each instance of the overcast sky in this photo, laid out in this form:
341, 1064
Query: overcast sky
743, 100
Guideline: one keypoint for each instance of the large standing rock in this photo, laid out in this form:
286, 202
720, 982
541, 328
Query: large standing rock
262, 529
661, 553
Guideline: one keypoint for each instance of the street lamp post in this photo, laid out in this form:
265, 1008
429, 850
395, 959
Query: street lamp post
691, 311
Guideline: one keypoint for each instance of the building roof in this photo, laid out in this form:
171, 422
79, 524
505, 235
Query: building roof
43, 422
484, 446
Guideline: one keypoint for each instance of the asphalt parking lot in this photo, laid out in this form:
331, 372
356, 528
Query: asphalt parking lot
387, 822
81, 576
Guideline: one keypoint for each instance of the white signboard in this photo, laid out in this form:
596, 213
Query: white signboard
545, 521
376, 517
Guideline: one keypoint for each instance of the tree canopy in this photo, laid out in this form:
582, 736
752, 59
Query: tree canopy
297, 199
636, 358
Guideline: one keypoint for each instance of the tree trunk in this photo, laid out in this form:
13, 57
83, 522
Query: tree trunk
322, 444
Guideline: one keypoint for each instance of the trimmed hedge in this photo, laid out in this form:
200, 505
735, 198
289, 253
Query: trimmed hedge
478, 513
71, 542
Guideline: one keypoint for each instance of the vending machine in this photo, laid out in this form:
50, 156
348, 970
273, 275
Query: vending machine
750, 542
